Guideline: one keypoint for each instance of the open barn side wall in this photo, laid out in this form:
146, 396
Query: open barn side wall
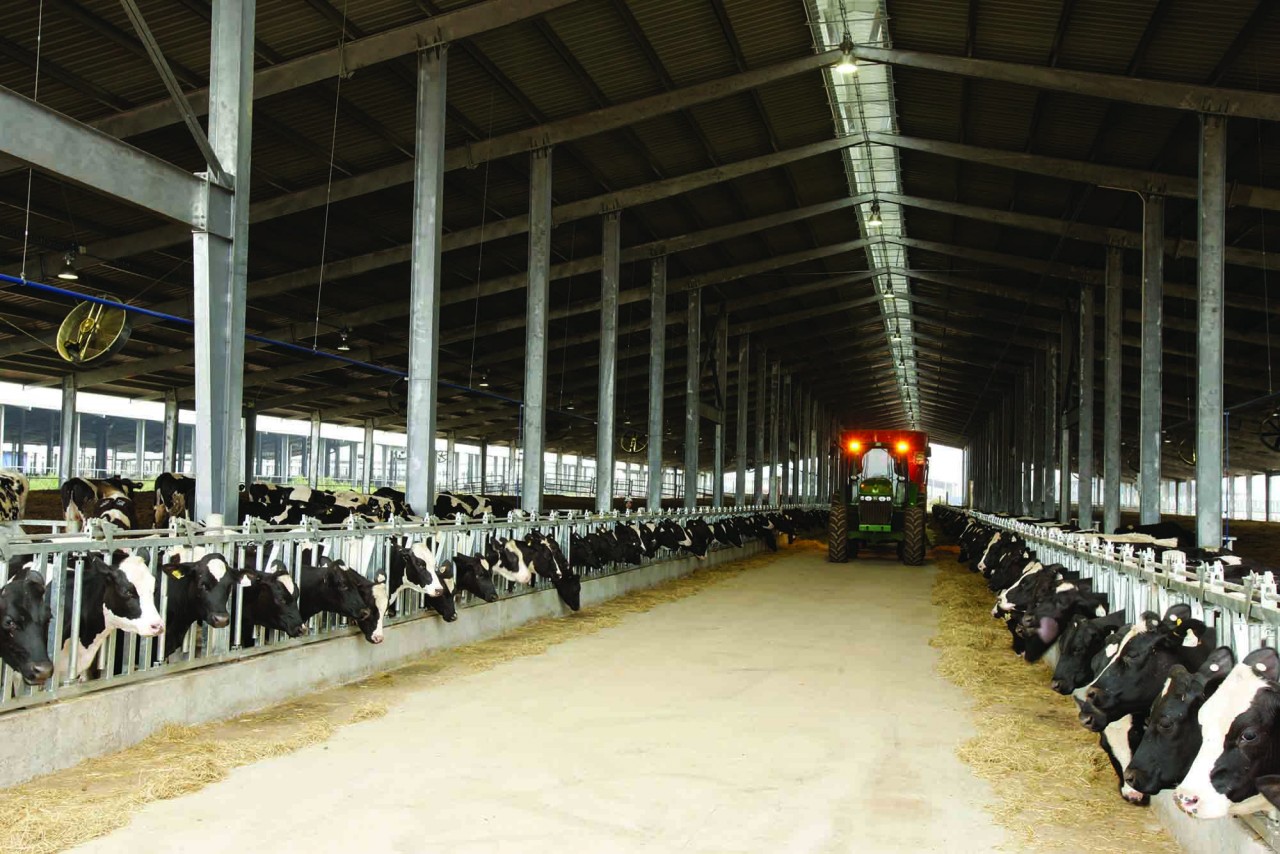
57, 735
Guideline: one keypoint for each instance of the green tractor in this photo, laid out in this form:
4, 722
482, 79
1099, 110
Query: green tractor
880, 495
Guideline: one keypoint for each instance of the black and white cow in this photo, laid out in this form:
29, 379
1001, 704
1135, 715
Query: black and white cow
175, 498
198, 592
415, 568
80, 495
270, 600
1082, 642
24, 623
13, 496
475, 575
448, 505
116, 595
118, 510
1239, 726
326, 587
1172, 739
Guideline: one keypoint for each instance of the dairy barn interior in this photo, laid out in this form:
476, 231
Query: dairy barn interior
639, 425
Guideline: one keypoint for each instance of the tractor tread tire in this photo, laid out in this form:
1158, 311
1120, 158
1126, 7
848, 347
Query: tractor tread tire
838, 531
915, 542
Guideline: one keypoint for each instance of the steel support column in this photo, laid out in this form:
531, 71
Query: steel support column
170, 441
657, 376
786, 409
1084, 425
1064, 431
775, 426
366, 470
1037, 433
692, 395
250, 445
220, 263
1112, 336
69, 434
313, 451
610, 254
722, 402
424, 280
740, 428
1211, 238
537, 319
1150, 437
761, 420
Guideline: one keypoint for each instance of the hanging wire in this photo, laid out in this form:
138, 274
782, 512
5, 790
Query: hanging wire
35, 96
484, 211
328, 190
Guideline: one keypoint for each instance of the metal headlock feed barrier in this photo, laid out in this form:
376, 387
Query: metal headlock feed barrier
60, 557
1244, 616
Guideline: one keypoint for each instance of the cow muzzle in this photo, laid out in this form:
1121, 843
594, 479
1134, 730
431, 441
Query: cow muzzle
38, 673
220, 621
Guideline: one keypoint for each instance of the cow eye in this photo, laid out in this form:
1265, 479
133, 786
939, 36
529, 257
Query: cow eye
1248, 736
8, 624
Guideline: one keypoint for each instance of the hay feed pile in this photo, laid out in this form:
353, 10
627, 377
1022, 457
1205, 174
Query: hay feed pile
1055, 786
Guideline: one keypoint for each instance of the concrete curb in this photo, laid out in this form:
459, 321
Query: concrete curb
50, 737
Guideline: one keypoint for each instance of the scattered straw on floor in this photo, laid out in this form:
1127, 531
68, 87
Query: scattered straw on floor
1056, 788
67, 808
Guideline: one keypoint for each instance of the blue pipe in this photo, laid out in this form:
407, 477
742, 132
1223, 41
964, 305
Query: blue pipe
261, 339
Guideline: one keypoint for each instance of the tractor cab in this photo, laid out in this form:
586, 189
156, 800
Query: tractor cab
883, 477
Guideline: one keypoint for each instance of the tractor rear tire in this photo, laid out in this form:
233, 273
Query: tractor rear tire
838, 531
915, 543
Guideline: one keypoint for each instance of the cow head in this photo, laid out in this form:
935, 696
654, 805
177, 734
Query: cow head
209, 582
475, 577
124, 484
1172, 739
272, 600
116, 509
128, 601
1237, 743
1137, 669
24, 625
374, 596
1079, 644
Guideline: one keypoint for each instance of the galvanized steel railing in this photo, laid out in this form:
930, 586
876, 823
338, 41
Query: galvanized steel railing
59, 557
1245, 616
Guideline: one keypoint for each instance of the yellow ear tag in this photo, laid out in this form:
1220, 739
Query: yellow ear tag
1177, 621
175, 573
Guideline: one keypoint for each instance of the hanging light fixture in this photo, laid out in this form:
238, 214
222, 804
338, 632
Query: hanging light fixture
484, 380
847, 64
568, 405
68, 272
343, 344
874, 220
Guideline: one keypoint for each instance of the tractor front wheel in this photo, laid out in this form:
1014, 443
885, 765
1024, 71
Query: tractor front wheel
914, 541
838, 530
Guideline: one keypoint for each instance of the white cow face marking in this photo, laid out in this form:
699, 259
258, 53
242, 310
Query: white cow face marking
217, 568
148, 624
286, 581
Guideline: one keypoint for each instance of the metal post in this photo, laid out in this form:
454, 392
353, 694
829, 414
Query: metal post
139, 441
692, 395
250, 442
657, 376
1111, 391
450, 461
221, 265
1036, 444
775, 392
1064, 431
1047, 499
1266, 495
366, 470
1213, 204
799, 404
170, 461
761, 420
740, 429
722, 394
69, 440
1248, 495
484, 467
1084, 426
1150, 442
784, 439
424, 280
611, 254
313, 452
537, 316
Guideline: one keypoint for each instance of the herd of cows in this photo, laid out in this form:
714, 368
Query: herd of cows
1173, 710
345, 577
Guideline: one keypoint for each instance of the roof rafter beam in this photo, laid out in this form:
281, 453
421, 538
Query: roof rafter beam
1152, 93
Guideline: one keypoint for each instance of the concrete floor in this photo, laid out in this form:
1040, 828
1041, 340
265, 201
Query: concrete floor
791, 709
